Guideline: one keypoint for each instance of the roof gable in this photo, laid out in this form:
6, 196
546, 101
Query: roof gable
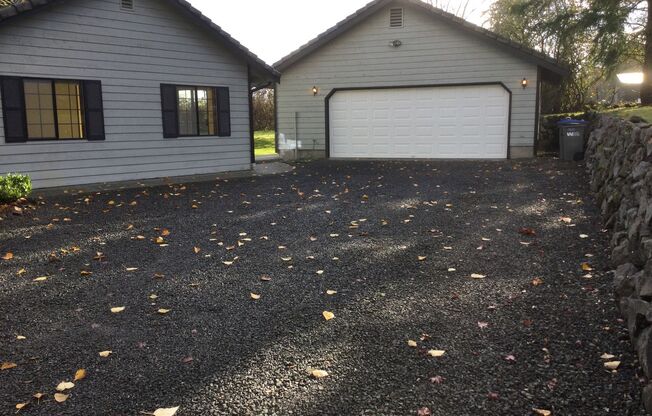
551, 66
12, 8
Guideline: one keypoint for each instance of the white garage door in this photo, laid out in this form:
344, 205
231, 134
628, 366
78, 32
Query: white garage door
468, 122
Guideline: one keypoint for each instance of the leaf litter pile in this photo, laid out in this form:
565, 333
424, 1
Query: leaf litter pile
434, 288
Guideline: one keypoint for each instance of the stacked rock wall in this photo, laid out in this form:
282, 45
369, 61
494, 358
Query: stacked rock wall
619, 158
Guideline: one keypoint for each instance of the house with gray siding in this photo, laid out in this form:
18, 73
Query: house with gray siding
110, 90
403, 79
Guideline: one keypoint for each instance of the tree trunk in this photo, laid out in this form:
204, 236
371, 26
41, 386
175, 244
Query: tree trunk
646, 88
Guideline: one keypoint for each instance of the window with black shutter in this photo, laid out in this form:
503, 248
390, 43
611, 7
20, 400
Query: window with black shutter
191, 111
52, 109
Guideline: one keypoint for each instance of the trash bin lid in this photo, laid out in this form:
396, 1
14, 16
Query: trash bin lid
571, 122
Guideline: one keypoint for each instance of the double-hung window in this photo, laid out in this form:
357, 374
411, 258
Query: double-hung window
48, 109
190, 111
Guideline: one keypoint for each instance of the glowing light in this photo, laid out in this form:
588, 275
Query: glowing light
631, 78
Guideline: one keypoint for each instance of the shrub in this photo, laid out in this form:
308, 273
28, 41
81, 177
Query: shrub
548, 142
14, 186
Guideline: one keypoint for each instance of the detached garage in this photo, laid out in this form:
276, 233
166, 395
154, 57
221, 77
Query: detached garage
403, 79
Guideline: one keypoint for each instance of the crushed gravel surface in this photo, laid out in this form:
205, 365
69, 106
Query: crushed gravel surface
398, 241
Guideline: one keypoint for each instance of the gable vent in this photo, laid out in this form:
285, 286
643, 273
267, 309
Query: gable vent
396, 17
127, 4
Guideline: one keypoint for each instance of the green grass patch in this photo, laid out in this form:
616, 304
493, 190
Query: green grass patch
643, 112
264, 142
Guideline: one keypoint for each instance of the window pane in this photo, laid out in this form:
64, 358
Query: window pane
202, 107
39, 109
187, 103
212, 128
69, 110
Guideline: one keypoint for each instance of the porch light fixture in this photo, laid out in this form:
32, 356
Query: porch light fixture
315, 90
524, 83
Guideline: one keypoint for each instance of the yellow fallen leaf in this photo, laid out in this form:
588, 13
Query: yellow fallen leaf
8, 365
105, 354
117, 309
85, 273
159, 240
170, 411
328, 315
65, 385
197, 250
612, 365
8, 256
19, 406
80, 374
254, 296
331, 292
412, 343
319, 373
422, 258
60, 397
586, 267
21, 272
478, 276
163, 311
41, 279
165, 232
436, 353
542, 412
20, 337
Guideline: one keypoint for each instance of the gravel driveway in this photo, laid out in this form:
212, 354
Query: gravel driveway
471, 260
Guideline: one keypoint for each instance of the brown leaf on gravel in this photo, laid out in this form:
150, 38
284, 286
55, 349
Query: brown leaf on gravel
567, 220
424, 411
197, 250
80, 374
60, 397
38, 396
586, 267
537, 281
8, 365
542, 412
8, 256
165, 232
493, 396
20, 406
65, 385
527, 231
265, 278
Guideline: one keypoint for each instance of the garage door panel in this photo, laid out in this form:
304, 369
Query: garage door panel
432, 122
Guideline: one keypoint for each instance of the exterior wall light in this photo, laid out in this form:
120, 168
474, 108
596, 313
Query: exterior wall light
395, 43
524, 82
315, 90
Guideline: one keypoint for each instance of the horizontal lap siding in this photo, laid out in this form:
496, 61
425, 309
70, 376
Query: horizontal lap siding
432, 52
132, 53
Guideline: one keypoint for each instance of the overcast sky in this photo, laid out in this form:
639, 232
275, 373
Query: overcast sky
274, 28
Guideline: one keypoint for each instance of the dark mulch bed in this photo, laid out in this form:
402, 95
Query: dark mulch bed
219, 352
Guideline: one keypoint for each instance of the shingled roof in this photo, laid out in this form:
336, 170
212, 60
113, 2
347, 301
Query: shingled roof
550, 65
13, 8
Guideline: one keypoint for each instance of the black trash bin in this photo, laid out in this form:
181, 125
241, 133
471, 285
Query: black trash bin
571, 139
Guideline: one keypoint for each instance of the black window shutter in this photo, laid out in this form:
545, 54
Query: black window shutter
169, 107
93, 110
13, 106
223, 112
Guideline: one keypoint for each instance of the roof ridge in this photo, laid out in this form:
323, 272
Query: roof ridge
550, 63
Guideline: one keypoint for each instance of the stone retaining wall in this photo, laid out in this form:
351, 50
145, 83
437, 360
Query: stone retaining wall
619, 158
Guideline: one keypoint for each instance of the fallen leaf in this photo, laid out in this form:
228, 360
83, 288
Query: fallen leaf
265, 278
584, 236
542, 412
41, 279
117, 309
65, 385
131, 269
422, 258
331, 292
197, 250
85, 273
437, 380
170, 411
328, 315
586, 267
483, 325
527, 231
320, 272
567, 220
478, 276
20, 337
19, 406
319, 373
424, 411
8, 256
452, 269
8, 365
38, 396
612, 365
60, 397
105, 354
163, 311
165, 232
606, 356
80, 374
254, 296
412, 343
436, 353
537, 281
